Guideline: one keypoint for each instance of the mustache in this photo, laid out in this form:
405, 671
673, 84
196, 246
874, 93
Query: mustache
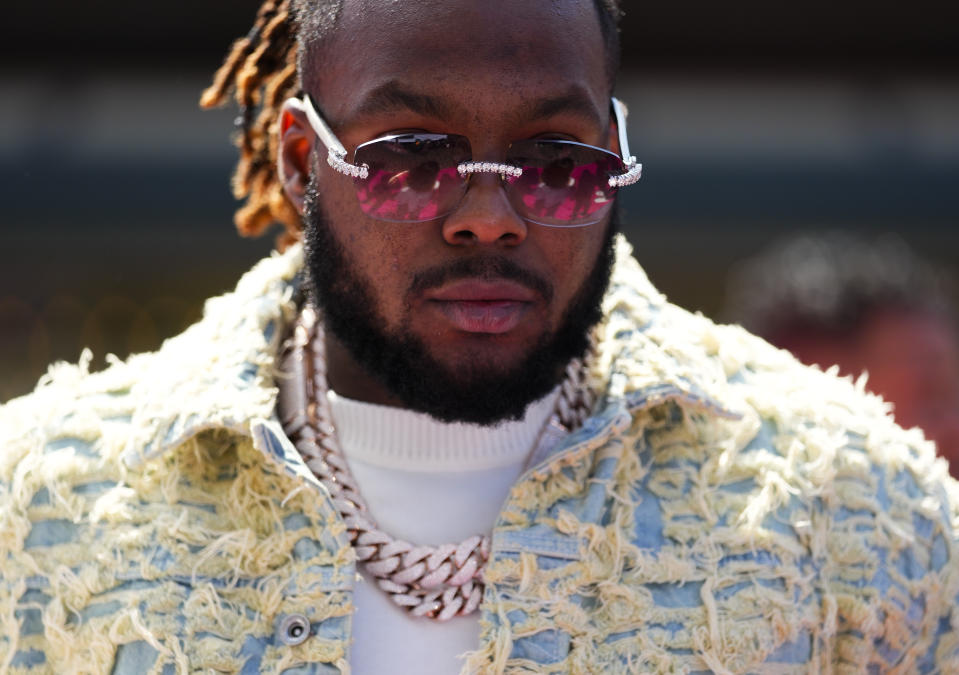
487, 268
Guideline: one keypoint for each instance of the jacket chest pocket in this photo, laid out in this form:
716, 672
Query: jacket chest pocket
533, 583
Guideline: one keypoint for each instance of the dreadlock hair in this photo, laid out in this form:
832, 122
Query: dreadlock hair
262, 69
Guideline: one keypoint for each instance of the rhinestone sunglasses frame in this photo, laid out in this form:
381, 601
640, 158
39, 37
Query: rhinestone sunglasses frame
336, 152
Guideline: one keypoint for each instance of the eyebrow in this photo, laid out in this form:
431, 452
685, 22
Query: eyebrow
575, 101
392, 96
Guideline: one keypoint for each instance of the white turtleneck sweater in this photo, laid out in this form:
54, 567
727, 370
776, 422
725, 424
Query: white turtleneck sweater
428, 483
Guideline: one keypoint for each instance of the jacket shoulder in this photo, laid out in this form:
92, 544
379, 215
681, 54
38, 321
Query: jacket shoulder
816, 471
151, 515
71, 412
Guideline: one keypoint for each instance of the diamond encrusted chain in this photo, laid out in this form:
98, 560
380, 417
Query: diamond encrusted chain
437, 582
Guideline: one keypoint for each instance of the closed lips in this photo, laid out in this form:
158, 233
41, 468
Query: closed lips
482, 306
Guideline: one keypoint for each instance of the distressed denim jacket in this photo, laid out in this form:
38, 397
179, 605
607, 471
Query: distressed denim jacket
724, 510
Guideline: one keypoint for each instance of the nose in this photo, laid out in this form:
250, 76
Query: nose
484, 216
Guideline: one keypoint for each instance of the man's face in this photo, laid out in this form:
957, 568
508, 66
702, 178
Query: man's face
476, 302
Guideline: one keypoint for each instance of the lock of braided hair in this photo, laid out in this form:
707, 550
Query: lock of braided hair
262, 70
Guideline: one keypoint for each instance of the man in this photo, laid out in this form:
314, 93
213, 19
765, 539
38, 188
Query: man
682, 499
866, 305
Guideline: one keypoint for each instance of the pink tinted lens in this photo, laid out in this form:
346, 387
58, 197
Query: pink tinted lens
564, 183
412, 177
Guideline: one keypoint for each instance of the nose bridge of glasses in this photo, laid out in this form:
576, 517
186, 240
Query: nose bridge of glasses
505, 170
481, 191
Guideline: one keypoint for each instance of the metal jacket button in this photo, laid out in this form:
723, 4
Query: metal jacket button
293, 629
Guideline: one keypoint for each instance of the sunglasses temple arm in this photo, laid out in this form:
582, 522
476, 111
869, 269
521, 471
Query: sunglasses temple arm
336, 152
321, 128
634, 170
619, 111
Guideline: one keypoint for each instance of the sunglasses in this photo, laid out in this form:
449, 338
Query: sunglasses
416, 177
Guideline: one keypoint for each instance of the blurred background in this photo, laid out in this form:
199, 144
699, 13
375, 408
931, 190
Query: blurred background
753, 120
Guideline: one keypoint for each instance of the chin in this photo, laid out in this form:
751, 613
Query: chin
494, 353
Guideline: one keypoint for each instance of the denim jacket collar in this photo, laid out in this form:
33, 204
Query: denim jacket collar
227, 362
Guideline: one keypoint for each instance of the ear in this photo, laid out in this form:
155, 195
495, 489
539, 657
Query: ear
293, 155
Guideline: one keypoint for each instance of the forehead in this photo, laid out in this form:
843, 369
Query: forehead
478, 54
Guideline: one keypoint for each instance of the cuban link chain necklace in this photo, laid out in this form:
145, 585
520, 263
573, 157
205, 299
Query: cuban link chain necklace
437, 582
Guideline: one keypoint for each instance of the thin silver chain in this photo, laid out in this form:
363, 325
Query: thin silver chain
437, 582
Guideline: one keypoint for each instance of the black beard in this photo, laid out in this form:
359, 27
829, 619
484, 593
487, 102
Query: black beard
476, 392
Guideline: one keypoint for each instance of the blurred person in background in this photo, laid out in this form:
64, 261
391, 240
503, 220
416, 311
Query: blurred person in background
867, 305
